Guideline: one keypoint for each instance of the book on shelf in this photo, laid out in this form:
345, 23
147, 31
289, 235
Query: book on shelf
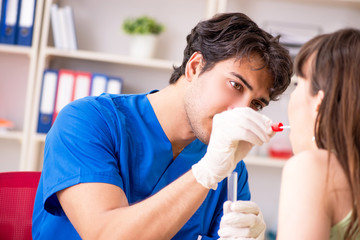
103, 83
82, 85
10, 16
55, 25
47, 100
70, 27
63, 27
26, 22
17, 21
65, 86
60, 87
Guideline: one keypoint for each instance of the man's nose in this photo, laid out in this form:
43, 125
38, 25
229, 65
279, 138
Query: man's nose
240, 103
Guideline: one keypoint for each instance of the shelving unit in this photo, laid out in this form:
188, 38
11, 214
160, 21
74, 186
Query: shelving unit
252, 160
18, 67
13, 135
13, 49
110, 58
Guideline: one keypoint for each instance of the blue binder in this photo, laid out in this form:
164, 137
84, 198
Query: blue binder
114, 85
98, 84
26, 22
2, 15
1, 12
10, 16
47, 100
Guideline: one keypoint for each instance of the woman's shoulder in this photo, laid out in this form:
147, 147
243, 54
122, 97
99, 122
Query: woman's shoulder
320, 173
318, 161
311, 160
313, 171
302, 195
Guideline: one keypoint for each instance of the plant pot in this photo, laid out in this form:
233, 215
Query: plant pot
143, 46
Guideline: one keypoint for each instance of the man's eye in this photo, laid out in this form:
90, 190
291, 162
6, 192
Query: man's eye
257, 105
236, 85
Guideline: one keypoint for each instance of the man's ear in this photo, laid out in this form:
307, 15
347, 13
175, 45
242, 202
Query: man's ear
319, 99
193, 66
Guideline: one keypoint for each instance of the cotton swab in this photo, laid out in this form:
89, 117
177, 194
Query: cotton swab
278, 127
233, 178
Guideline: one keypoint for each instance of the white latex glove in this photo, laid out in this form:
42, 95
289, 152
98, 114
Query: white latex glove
234, 133
242, 220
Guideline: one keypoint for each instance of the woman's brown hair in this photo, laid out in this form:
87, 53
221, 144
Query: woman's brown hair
335, 69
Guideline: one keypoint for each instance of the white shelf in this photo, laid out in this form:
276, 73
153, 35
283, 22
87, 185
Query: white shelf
40, 137
252, 160
110, 58
14, 49
11, 135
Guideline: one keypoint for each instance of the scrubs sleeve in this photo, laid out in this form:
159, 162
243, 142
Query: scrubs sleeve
81, 147
209, 238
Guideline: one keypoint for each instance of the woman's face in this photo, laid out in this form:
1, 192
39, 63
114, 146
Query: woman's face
302, 110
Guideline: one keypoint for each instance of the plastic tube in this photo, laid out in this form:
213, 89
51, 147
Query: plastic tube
232, 186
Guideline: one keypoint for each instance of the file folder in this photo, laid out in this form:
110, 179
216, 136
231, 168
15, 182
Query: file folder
82, 85
98, 85
47, 100
1, 13
8, 29
64, 90
114, 85
26, 22
63, 32
55, 25
69, 28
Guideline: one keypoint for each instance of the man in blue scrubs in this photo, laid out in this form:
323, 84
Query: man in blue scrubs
154, 165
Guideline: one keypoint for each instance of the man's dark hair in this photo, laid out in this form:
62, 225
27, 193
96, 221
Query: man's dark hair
235, 35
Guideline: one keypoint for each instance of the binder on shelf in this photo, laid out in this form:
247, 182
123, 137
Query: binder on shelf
114, 85
1, 13
98, 84
63, 27
63, 32
69, 27
55, 25
11, 16
64, 90
82, 85
26, 22
47, 100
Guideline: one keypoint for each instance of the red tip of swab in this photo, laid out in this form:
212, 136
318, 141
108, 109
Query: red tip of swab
277, 127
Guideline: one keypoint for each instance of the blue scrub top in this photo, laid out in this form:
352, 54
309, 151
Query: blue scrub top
117, 139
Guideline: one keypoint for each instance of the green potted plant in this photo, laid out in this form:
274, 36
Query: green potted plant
142, 25
143, 31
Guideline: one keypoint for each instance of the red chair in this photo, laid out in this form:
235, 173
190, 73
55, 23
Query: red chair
17, 195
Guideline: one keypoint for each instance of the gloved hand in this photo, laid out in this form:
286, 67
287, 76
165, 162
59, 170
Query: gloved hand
242, 220
234, 133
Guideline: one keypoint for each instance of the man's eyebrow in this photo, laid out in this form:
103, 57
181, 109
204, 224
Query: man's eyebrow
241, 78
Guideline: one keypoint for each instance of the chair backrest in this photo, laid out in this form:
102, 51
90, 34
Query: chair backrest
17, 195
